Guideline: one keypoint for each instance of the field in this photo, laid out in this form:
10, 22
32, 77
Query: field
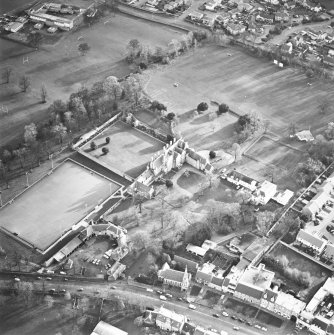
51, 206
129, 149
297, 261
247, 84
273, 152
62, 70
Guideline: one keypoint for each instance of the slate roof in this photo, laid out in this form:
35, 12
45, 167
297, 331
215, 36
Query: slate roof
204, 276
184, 262
217, 281
249, 291
170, 274
311, 239
321, 322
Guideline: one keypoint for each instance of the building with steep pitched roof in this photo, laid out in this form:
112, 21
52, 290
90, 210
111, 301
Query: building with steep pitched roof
186, 263
169, 320
103, 328
175, 278
316, 243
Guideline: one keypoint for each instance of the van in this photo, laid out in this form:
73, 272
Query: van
162, 297
191, 306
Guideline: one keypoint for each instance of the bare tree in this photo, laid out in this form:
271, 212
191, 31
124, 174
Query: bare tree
24, 83
6, 74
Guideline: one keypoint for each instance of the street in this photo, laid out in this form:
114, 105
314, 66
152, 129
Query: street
137, 294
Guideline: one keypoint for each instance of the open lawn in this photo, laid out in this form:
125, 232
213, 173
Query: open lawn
62, 70
269, 319
129, 149
273, 152
247, 84
55, 203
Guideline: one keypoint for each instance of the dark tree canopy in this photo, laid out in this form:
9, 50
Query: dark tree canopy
223, 108
170, 116
169, 183
203, 106
212, 154
105, 150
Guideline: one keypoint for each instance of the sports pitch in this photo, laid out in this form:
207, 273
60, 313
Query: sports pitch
129, 149
55, 203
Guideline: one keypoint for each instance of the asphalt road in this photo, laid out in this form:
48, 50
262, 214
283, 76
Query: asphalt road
202, 316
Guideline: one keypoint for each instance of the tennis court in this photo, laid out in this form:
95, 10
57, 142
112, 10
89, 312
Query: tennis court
55, 203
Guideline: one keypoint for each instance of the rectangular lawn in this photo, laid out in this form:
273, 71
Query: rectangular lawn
55, 203
129, 149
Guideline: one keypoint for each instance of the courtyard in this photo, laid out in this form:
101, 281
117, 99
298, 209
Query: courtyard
52, 205
129, 149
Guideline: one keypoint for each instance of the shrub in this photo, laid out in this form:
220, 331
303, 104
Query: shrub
108, 140
105, 150
203, 106
170, 138
169, 183
93, 145
170, 116
212, 154
142, 66
223, 108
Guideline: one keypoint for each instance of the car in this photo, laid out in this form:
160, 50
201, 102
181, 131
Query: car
80, 289
257, 326
225, 314
241, 320
48, 278
180, 299
168, 295
264, 329
113, 287
249, 323
149, 290
236, 328
62, 290
52, 291
191, 306
162, 297
159, 292
39, 278
65, 279
213, 330
215, 315
233, 317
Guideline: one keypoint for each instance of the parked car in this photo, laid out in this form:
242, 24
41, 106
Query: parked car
168, 295
241, 320
264, 329
236, 328
159, 292
249, 323
162, 297
80, 289
233, 317
113, 287
225, 314
149, 290
215, 315
257, 326
48, 278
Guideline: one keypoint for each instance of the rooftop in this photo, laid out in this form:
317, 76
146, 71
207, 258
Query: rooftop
103, 328
311, 239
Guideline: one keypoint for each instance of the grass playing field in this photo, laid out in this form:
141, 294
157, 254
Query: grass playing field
246, 83
62, 70
129, 149
51, 206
